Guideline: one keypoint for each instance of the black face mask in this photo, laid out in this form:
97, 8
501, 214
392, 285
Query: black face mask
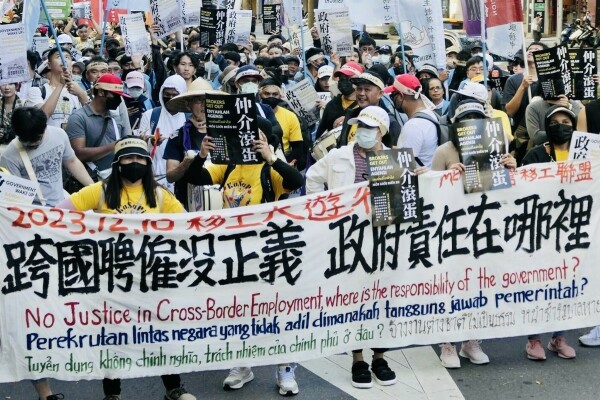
399, 70
112, 103
200, 71
133, 171
559, 133
124, 73
271, 101
113, 52
345, 87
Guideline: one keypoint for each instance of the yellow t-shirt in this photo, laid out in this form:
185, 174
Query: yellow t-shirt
133, 201
290, 126
505, 123
352, 131
243, 185
561, 155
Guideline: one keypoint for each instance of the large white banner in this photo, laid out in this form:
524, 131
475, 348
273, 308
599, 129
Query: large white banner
421, 25
86, 296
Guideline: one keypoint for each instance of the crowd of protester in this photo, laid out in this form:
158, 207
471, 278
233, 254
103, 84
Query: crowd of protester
127, 134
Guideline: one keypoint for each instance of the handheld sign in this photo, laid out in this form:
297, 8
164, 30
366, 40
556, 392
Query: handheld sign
231, 121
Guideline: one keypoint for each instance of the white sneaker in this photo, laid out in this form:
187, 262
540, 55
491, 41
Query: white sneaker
473, 352
448, 356
286, 381
592, 338
237, 378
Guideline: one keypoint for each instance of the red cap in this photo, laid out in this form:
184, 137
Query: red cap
404, 81
111, 83
351, 68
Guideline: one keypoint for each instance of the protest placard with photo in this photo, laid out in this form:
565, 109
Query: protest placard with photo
552, 66
335, 30
232, 123
82, 10
133, 31
271, 15
166, 14
480, 144
239, 26
212, 26
583, 68
13, 58
393, 186
190, 12
584, 145
302, 98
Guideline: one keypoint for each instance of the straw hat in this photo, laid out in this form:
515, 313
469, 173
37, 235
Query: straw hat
199, 87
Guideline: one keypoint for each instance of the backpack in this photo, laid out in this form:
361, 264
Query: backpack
265, 181
441, 126
307, 141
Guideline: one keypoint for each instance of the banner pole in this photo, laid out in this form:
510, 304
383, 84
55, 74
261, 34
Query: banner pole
483, 42
104, 23
53, 32
399, 29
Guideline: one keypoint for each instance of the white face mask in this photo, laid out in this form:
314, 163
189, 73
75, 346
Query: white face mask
366, 137
135, 92
376, 60
385, 59
249, 87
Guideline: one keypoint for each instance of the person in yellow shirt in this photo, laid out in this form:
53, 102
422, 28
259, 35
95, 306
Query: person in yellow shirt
130, 189
270, 93
559, 125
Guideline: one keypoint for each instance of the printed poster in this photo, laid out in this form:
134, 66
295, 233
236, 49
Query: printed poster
212, 27
583, 68
584, 145
239, 26
14, 189
40, 44
190, 12
232, 123
480, 144
133, 30
335, 30
550, 65
82, 10
13, 58
302, 98
271, 17
166, 14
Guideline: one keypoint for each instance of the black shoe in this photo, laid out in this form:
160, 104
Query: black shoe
57, 396
383, 373
361, 377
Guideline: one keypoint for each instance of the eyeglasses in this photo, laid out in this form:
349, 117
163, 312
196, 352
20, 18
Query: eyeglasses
475, 69
435, 88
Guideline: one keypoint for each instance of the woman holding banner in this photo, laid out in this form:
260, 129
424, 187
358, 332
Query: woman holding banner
130, 189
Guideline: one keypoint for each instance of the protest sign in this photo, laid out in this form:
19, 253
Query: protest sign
271, 16
14, 189
292, 12
165, 14
82, 10
299, 38
481, 144
471, 10
40, 44
302, 98
231, 122
227, 4
212, 27
59, 9
190, 12
498, 84
393, 186
422, 29
238, 27
335, 30
504, 27
552, 66
133, 30
96, 295
376, 12
13, 58
583, 68
584, 145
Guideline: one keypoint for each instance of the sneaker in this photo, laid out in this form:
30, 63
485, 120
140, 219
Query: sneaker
286, 381
473, 352
57, 396
383, 373
113, 397
559, 345
448, 357
591, 339
361, 376
237, 378
534, 350
179, 394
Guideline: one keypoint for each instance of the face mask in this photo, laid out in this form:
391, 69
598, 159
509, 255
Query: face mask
113, 53
112, 103
249, 87
212, 68
366, 137
399, 70
135, 92
376, 60
323, 64
76, 78
559, 133
133, 172
346, 87
385, 59
271, 101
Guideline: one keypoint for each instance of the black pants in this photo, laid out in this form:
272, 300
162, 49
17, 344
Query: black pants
113, 386
374, 350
